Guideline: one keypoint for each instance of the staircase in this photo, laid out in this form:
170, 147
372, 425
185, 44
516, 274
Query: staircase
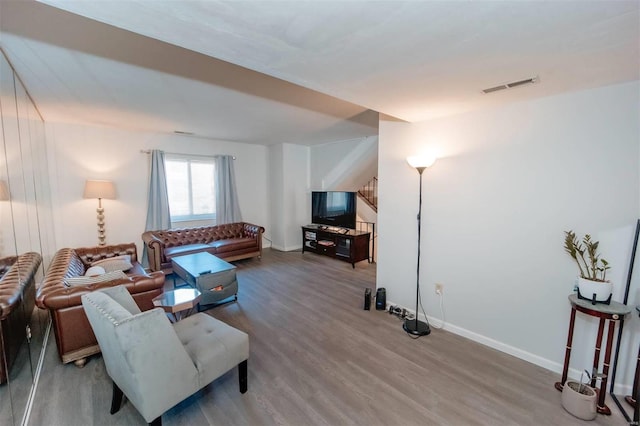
369, 193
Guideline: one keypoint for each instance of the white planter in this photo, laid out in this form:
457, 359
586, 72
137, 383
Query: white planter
588, 288
582, 405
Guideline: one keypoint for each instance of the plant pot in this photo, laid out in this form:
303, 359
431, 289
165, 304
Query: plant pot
595, 291
579, 400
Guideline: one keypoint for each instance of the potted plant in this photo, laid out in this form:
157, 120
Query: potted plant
592, 283
579, 399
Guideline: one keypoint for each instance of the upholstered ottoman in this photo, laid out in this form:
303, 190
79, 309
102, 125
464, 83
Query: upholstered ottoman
212, 344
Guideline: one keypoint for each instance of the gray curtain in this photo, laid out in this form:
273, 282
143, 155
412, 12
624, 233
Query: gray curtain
158, 216
227, 206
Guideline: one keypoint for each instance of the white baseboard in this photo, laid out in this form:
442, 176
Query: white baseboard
620, 388
288, 248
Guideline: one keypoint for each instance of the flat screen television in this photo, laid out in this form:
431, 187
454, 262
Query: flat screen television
334, 208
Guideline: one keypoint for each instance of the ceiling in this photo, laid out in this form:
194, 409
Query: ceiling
306, 72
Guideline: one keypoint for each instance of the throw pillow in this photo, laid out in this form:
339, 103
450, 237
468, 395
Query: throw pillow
116, 263
109, 276
94, 270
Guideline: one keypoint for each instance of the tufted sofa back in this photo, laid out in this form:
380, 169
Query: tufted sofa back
6, 263
88, 255
19, 273
17, 294
201, 235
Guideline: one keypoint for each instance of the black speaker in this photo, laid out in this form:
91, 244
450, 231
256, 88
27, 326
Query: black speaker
381, 299
367, 299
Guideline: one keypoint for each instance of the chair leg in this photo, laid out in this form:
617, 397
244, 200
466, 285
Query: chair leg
242, 372
116, 399
156, 422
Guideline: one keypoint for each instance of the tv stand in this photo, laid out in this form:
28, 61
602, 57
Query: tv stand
333, 229
344, 244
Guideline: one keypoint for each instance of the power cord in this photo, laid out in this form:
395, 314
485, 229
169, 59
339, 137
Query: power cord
441, 326
437, 327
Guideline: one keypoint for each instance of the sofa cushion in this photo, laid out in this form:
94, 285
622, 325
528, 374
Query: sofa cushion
223, 246
214, 347
82, 280
117, 263
95, 270
185, 249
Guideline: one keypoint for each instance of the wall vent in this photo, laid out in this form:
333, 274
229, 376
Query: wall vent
512, 85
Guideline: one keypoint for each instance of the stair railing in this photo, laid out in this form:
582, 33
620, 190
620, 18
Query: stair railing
369, 227
369, 193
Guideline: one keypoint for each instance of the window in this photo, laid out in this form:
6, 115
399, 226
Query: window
191, 188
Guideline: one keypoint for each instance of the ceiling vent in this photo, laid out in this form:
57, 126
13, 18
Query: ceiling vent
512, 85
180, 132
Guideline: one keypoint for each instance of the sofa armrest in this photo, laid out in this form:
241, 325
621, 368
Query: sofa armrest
250, 230
155, 250
58, 297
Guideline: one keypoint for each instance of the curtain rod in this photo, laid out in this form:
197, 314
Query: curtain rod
148, 151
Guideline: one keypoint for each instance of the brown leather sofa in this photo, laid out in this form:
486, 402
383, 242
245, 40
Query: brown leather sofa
17, 298
74, 336
232, 241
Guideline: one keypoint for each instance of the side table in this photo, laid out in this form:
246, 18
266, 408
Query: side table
179, 302
612, 313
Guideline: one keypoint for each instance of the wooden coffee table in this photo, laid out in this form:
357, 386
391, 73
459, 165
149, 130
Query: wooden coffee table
179, 303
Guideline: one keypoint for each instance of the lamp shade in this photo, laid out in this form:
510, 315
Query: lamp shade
4, 191
99, 189
421, 161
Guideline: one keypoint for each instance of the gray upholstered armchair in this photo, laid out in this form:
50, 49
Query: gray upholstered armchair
157, 364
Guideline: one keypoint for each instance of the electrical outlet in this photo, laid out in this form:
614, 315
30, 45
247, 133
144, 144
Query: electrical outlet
439, 288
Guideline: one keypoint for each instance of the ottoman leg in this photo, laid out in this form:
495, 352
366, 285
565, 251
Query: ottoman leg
242, 372
116, 399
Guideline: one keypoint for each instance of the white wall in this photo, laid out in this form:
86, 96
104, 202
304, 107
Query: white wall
509, 181
276, 196
25, 219
344, 165
297, 202
290, 199
79, 153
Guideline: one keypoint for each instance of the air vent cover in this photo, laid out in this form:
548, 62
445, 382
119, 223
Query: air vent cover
512, 85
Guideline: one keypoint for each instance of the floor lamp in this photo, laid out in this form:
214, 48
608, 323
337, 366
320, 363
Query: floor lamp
413, 326
100, 189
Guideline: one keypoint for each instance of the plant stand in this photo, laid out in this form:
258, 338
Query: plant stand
613, 313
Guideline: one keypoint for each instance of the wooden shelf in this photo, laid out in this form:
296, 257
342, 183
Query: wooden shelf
351, 246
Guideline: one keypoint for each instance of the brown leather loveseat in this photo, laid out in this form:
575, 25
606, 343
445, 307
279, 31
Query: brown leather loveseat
17, 296
74, 336
232, 241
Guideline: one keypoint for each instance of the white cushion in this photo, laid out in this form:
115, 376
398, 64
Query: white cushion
109, 276
94, 270
116, 263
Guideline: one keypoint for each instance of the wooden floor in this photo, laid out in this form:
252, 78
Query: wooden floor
318, 358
